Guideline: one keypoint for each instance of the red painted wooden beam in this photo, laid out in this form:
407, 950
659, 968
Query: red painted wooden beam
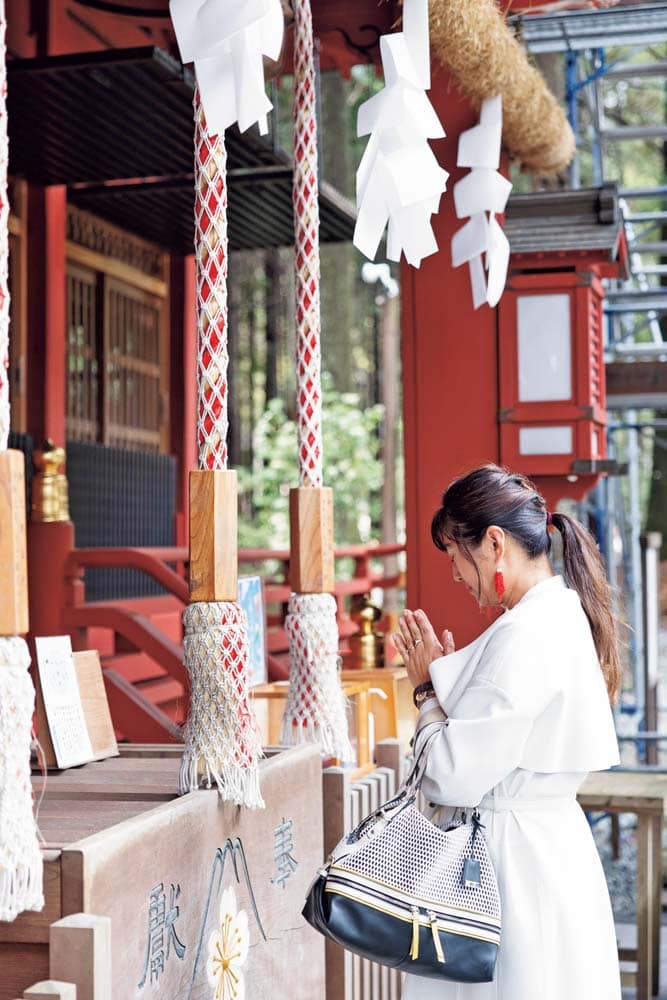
450, 389
47, 345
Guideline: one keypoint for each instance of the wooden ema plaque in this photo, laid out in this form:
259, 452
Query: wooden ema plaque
95, 710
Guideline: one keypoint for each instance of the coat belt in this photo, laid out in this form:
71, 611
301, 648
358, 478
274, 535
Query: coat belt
497, 803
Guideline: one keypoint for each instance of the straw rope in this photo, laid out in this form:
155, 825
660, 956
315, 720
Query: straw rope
471, 38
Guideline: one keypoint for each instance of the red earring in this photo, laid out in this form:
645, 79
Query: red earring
499, 584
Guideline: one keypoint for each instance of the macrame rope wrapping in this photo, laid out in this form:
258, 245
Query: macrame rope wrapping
20, 857
222, 742
4, 247
211, 244
316, 708
307, 252
221, 737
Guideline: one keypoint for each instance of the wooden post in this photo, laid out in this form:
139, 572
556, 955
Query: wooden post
80, 953
651, 543
213, 535
312, 540
13, 554
50, 989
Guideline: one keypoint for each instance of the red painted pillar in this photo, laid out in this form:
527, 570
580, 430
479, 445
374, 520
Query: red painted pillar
183, 389
47, 321
450, 379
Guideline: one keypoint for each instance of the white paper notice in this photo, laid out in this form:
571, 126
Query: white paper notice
62, 701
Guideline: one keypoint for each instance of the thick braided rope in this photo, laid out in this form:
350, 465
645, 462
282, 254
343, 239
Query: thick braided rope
222, 743
4, 240
307, 252
20, 857
212, 261
316, 709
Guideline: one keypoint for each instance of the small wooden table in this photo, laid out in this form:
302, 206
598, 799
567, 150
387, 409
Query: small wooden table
391, 702
275, 695
645, 794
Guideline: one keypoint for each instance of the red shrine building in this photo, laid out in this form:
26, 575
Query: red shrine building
103, 317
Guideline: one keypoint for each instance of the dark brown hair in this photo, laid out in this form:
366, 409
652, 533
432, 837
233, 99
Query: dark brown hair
490, 495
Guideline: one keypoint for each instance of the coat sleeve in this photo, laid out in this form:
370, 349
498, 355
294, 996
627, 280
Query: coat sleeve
475, 748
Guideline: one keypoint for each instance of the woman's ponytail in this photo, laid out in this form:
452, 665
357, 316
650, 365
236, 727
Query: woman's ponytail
585, 573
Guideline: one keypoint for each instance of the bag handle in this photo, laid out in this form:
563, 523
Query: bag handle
416, 774
406, 792
415, 770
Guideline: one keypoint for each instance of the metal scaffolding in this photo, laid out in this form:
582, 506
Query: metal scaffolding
634, 307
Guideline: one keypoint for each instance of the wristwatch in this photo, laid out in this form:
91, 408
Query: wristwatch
422, 693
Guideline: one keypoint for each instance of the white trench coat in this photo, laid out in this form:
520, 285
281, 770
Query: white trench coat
529, 717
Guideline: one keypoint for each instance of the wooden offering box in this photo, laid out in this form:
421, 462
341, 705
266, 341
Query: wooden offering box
172, 871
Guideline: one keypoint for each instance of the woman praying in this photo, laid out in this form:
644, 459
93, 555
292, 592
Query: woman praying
525, 714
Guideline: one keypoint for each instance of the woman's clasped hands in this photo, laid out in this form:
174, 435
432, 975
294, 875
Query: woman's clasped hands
419, 645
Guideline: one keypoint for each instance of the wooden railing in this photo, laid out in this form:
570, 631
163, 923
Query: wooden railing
134, 631
158, 562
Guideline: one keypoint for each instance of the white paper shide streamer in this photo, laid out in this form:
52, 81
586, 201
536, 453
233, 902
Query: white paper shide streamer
226, 40
399, 181
482, 194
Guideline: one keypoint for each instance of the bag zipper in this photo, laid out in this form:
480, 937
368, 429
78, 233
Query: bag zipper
433, 921
414, 949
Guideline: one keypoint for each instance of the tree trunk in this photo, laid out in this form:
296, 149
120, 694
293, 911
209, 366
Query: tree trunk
389, 338
273, 268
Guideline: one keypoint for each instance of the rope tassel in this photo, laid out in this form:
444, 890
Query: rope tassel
316, 710
222, 744
20, 857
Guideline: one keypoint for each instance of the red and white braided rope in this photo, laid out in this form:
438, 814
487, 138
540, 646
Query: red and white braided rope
307, 252
21, 869
222, 742
211, 251
4, 240
315, 709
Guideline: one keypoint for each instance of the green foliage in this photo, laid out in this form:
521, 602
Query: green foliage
351, 461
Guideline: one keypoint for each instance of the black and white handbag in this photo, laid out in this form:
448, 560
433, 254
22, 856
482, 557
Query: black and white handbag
406, 893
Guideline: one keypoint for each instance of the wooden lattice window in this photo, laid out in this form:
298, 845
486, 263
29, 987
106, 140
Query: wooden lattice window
117, 364
132, 350
83, 417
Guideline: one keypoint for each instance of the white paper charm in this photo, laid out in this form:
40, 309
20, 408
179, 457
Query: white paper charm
482, 194
226, 40
399, 180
